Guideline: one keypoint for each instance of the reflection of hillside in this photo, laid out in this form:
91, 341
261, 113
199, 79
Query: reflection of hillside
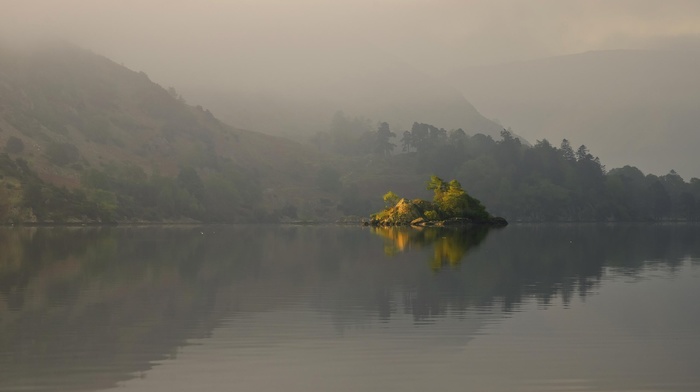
83, 308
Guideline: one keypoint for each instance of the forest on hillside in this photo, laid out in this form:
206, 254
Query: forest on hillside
522, 182
85, 140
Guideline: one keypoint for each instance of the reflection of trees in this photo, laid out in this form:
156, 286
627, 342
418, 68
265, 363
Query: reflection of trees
450, 245
546, 261
118, 299
542, 262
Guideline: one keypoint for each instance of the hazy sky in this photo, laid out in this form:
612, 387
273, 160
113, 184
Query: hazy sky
172, 39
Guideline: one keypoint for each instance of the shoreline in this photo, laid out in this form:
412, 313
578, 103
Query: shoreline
324, 223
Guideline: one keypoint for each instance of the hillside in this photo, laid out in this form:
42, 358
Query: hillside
85, 140
628, 106
71, 114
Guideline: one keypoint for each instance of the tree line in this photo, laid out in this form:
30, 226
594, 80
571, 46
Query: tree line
521, 182
127, 193
540, 182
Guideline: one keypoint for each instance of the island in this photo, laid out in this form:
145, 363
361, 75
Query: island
451, 206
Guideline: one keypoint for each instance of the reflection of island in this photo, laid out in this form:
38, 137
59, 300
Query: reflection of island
450, 244
84, 308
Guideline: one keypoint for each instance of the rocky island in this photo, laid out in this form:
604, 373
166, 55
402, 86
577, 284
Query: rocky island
451, 206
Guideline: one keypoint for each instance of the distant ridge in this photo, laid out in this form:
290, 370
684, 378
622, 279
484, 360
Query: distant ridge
627, 105
394, 93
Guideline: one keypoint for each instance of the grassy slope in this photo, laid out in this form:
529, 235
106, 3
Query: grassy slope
64, 95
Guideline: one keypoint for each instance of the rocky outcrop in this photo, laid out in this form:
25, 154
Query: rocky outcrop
403, 213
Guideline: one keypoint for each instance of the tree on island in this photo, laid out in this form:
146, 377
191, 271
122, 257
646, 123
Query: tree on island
453, 202
450, 205
390, 199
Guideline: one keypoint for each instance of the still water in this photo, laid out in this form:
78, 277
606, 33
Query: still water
328, 308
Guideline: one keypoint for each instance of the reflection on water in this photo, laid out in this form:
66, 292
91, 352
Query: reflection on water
95, 308
450, 244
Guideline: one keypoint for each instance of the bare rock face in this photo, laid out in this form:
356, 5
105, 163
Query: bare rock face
403, 213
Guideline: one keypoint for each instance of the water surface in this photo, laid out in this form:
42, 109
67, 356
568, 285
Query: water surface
332, 308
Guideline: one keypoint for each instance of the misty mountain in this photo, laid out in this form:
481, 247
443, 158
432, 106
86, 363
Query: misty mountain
87, 140
377, 90
628, 106
77, 120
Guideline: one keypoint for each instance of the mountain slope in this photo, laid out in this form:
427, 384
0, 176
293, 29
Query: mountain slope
68, 112
628, 106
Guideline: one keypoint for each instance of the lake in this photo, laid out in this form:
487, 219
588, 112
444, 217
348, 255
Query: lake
586, 307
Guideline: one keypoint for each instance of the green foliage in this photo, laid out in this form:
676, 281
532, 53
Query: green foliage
126, 192
106, 203
541, 182
424, 137
452, 201
391, 198
432, 215
228, 195
437, 185
137, 196
13, 168
51, 203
